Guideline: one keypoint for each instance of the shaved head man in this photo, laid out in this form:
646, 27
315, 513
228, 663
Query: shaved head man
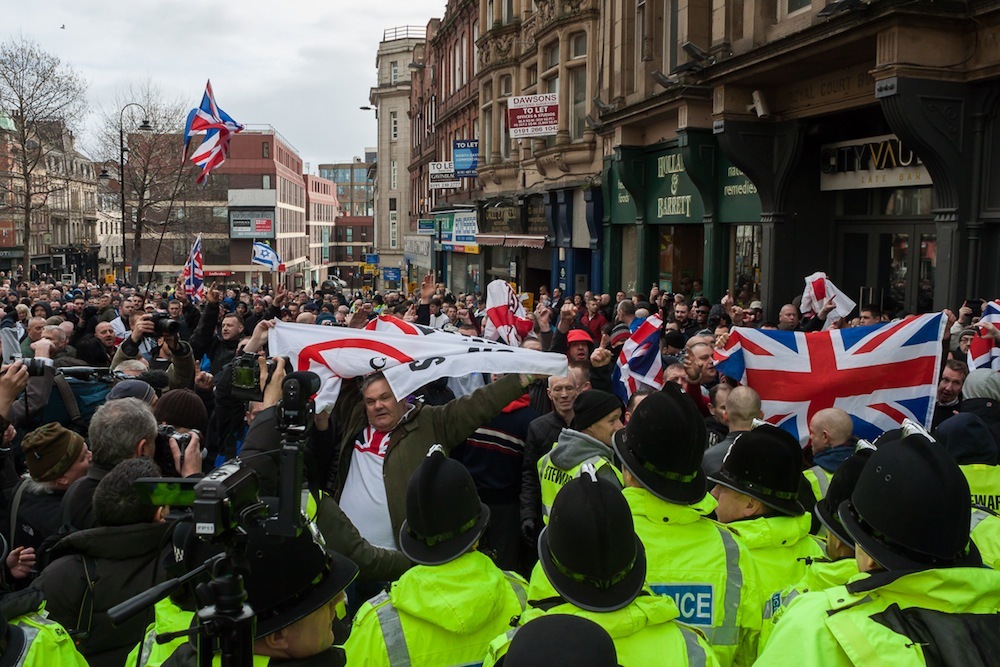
742, 406
831, 427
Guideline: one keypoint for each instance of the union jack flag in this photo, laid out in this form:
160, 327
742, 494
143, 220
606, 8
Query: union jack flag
639, 361
879, 374
218, 128
983, 352
193, 275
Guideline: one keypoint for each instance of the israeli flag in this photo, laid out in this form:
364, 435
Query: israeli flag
266, 256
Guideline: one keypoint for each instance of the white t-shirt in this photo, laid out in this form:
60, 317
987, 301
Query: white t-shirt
364, 500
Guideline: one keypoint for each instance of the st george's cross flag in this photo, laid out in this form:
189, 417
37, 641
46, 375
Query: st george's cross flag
639, 362
983, 351
408, 361
505, 319
818, 290
879, 374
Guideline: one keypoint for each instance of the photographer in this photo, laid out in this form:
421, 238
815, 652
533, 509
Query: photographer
182, 366
341, 535
121, 429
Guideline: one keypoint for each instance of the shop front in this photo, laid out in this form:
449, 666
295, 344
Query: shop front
456, 253
653, 193
738, 212
886, 237
512, 236
416, 259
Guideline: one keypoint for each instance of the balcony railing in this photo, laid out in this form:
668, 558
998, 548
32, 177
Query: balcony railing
404, 32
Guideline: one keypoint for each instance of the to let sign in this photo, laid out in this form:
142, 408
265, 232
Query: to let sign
533, 115
442, 176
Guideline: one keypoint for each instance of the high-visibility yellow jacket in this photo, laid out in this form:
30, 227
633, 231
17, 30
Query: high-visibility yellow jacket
437, 615
646, 632
704, 568
564, 461
779, 545
836, 627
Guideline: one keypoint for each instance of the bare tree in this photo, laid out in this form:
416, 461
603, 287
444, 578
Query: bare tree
155, 177
42, 98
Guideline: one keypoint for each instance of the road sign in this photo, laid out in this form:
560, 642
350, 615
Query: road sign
371, 259
390, 274
109, 279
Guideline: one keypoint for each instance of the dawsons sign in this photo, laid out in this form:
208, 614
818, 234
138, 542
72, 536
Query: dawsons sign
875, 162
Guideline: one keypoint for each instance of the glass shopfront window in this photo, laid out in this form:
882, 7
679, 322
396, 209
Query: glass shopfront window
681, 258
745, 264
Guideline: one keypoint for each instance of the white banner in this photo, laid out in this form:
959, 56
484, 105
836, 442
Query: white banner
408, 361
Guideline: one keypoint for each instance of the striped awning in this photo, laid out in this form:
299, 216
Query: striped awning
511, 240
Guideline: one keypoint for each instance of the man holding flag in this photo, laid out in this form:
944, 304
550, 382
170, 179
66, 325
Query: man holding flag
383, 438
880, 374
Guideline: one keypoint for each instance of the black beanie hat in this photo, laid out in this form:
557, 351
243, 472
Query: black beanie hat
591, 405
968, 439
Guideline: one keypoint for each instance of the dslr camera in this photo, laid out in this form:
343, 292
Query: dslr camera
162, 455
164, 325
246, 376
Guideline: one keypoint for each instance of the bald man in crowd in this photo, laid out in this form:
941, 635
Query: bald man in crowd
830, 433
742, 406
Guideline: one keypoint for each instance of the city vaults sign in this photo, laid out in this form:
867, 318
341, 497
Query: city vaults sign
875, 162
672, 197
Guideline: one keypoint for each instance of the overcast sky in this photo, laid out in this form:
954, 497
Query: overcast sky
303, 66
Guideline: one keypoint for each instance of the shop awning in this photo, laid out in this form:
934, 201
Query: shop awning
511, 240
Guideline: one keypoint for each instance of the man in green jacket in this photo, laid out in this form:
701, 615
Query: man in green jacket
923, 597
384, 440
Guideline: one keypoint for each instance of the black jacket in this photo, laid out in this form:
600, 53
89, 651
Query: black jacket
542, 434
77, 508
125, 562
204, 341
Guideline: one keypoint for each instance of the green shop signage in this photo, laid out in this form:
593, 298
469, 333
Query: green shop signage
672, 197
621, 206
738, 200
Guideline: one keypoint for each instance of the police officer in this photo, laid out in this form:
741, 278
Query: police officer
446, 609
927, 600
698, 562
839, 564
29, 639
757, 490
593, 565
969, 441
561, 639
296, 587
596, 416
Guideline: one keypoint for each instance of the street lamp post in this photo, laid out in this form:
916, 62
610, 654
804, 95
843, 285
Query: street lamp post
143, 127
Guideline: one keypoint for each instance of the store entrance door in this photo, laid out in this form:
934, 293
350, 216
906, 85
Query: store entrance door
889, 265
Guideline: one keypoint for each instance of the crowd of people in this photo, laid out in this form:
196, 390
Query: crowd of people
487, 519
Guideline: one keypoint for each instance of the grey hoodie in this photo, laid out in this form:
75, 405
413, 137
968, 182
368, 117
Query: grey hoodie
573, 448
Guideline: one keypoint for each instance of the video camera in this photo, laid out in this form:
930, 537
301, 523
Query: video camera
224, 505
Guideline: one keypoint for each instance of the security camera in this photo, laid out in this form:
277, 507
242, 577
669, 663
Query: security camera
760, 105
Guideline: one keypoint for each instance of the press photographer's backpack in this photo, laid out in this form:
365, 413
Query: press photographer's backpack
76, 395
